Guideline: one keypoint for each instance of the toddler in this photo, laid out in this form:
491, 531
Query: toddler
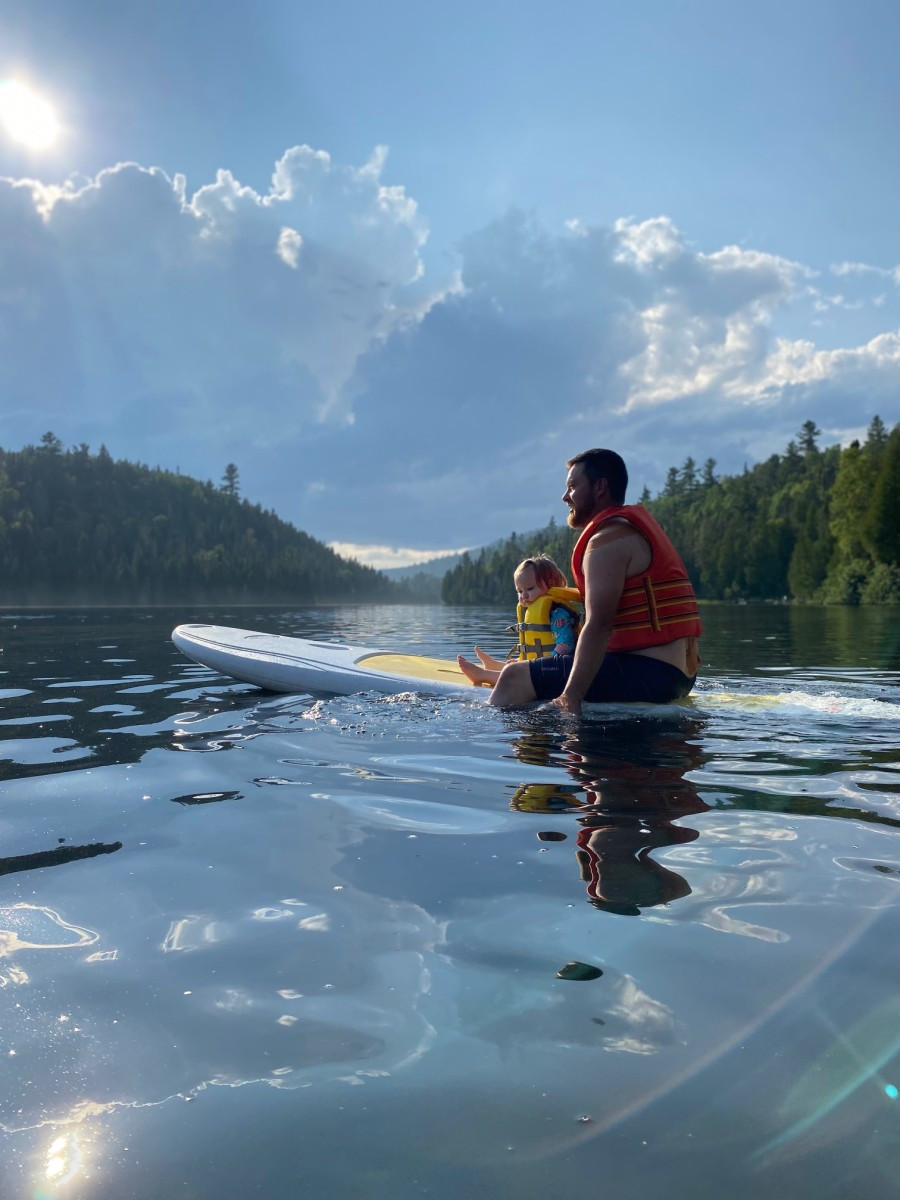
548, 619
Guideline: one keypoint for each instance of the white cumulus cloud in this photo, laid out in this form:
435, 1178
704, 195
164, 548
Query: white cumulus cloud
155, 300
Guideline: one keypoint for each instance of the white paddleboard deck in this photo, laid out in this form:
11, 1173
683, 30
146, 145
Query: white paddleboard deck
290, 664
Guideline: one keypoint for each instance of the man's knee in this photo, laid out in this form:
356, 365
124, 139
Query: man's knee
514, 685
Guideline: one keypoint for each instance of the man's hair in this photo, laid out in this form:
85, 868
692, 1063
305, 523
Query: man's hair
604, 464
546, 572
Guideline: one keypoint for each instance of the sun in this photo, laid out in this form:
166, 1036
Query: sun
27, 117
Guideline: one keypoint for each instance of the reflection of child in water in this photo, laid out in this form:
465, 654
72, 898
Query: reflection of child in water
533, 578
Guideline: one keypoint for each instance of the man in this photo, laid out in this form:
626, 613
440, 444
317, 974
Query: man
641, 621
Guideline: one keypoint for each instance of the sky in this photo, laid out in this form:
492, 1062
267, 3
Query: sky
398, 262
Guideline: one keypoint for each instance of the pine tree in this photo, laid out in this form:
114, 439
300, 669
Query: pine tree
672, 485
850, 498
877, 434
881, 527
807, 437
230, 483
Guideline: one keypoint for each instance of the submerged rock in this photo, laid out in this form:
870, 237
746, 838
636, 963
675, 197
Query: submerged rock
579, 971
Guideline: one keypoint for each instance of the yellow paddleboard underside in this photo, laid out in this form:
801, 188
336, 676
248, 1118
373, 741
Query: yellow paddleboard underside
414, 665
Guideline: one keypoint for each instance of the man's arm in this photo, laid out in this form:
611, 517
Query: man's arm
606, 566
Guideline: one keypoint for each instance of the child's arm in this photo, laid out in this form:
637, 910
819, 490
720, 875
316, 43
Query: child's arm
562, 622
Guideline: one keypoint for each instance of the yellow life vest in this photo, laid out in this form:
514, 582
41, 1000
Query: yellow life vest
533, 623
545, 798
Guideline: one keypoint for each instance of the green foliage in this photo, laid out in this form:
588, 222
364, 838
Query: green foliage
849, 502
848, 582
811, 524
488, 578
882, 585
77, 528
881, 527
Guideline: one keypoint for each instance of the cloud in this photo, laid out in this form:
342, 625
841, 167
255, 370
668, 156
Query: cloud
385, 557
707, 328
874, 367
289, 245
293, 332
844, 269
206, 307
626, 337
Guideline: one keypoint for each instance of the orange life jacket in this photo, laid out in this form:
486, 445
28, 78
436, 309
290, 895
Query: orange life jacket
656, 607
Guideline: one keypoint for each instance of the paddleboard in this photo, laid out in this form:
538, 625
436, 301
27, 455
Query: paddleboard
290, 664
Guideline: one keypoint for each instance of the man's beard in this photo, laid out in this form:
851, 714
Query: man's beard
576, 519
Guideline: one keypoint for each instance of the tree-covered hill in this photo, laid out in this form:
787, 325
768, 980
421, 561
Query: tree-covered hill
81, 528
809, 524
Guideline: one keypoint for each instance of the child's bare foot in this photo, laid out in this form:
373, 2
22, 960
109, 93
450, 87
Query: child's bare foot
476, 673
488, 660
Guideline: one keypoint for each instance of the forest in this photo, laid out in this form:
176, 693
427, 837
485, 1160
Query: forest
83, 528
810, 525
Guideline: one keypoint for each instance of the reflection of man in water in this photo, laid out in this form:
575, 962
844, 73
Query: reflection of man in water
615, 861
633, 789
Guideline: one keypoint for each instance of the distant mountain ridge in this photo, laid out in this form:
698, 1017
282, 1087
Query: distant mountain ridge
83, 528
438, 567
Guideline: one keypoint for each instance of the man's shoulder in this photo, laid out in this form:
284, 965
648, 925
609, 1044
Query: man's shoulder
618, 546
615, 529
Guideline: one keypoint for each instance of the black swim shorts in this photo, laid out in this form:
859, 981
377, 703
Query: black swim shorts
622, 677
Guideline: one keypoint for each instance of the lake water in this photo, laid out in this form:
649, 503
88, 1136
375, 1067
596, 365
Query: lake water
394, 947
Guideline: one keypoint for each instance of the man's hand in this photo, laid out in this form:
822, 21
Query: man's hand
565, 704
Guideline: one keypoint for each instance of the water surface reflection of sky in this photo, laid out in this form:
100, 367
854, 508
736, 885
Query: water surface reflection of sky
383, 945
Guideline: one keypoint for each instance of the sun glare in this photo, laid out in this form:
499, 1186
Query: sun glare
26, 116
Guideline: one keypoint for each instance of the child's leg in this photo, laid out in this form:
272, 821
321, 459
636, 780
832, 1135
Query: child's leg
477, 673
488, 660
